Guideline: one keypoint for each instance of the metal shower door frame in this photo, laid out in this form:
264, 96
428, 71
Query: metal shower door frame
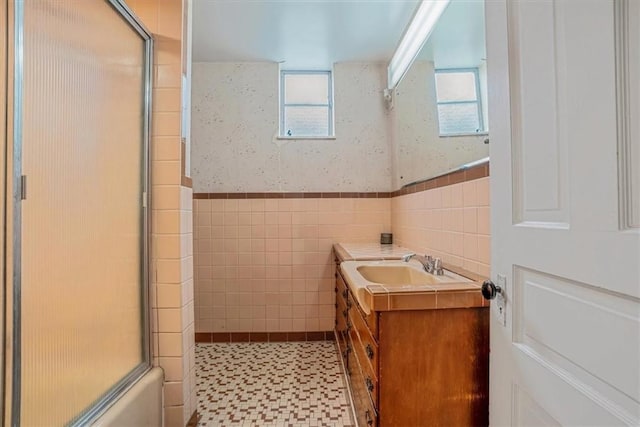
14, 189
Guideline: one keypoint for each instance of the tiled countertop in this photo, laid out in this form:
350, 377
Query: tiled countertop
368, 251
377, 297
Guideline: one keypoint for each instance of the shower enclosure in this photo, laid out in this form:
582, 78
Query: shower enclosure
75, 253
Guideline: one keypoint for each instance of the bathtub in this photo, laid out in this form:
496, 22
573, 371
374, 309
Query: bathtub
140, 406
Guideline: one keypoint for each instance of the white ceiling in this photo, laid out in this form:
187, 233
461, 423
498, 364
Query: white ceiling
314, 34
305, 34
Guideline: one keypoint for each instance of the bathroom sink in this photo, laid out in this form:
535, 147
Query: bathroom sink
396, 275
366, 278
403, 275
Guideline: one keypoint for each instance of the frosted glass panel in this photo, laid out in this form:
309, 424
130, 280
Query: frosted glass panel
458, 118
456, 86
82, 222
306, 88
306, 121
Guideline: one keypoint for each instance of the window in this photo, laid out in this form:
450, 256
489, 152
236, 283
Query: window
306, 104
458, 99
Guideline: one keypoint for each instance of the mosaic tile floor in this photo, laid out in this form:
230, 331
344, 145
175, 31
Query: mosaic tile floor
271, 384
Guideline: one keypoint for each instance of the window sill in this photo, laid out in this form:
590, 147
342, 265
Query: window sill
449, 135
289, 138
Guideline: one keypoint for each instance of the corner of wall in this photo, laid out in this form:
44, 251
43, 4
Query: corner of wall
173, 330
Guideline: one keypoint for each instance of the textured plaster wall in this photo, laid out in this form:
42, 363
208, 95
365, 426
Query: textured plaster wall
235, 124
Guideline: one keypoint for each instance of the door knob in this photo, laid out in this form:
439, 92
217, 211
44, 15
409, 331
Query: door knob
490, 290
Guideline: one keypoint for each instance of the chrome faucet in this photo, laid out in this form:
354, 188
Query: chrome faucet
430, 264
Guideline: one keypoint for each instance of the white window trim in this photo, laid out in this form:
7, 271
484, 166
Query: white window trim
331, 134
478, 102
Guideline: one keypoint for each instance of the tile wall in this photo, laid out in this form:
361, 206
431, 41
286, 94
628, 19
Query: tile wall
266, 265
450, 222
172, 296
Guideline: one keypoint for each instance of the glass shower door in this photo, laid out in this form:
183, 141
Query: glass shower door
81, 99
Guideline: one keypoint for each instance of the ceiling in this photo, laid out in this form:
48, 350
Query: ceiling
314, 34
302, 34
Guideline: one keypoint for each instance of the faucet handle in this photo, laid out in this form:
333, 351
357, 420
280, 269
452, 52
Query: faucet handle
429, 258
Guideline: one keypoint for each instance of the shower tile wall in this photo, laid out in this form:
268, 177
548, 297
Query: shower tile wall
266, 265
172, 229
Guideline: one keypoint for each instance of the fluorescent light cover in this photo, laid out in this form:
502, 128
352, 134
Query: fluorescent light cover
416, 35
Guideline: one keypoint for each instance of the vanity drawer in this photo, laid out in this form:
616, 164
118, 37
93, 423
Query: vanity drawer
369, 379
369, 345
365, 412
341, 289
371, 319
342, 315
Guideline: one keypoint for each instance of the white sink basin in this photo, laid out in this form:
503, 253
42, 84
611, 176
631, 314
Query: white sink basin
401, 275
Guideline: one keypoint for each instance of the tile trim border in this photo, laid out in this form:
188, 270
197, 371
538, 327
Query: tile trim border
220, 337
469, 174
292, 195
475, 172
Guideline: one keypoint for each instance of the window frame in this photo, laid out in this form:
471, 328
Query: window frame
329, 105
482, 130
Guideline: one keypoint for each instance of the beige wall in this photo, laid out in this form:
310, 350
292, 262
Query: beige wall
450, 222
265, 265
172, 257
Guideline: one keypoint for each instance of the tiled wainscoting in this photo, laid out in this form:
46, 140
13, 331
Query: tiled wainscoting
266, 265
450, 222
264, 262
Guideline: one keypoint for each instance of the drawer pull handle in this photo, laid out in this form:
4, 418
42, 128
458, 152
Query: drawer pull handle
369, 384
344, 313
367, 416
335, 289
345, 294
369, 351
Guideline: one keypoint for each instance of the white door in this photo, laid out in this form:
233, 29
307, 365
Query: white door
565, 200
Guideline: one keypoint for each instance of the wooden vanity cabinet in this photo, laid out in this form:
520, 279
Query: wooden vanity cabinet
342, 319
415, 367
